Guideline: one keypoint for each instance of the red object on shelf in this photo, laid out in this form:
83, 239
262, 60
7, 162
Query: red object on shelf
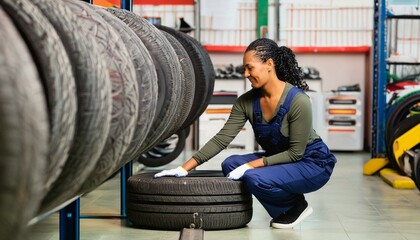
360, 49
226, 48
215, 48
400, 85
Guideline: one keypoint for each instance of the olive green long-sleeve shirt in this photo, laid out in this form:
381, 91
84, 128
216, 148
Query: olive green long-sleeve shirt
297, 125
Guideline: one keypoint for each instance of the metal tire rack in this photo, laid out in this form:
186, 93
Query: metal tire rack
379, 78
70, 214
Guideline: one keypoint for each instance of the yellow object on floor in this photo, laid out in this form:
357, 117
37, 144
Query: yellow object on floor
374, 165
396, 180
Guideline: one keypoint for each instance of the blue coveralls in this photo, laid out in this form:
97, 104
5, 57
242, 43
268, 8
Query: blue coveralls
279, 186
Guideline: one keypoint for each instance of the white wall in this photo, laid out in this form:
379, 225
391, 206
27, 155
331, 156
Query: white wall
336, 69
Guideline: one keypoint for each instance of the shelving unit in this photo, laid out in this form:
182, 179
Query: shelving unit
381, 50
378, 79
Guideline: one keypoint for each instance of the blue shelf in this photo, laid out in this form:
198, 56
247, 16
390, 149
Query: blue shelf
379, 79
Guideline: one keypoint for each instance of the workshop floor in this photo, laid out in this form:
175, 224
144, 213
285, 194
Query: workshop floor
350, 206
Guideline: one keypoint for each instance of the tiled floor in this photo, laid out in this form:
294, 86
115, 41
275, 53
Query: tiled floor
350, 206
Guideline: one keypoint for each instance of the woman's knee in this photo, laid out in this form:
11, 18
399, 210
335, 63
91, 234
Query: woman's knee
250, 181
229, 164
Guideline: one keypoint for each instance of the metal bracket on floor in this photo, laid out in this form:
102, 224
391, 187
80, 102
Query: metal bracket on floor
193, 233
70, 215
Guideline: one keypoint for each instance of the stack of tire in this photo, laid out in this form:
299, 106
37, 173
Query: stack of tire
403, 115
84, 90
204, 198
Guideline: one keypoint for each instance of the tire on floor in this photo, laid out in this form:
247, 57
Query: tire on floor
168, 203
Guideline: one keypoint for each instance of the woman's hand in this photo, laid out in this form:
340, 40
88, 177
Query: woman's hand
238, 172
177, 172
180, 171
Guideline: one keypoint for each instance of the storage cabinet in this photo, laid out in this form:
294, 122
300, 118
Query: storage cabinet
343, 120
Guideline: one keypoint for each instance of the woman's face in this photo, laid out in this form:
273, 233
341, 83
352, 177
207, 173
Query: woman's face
255, 70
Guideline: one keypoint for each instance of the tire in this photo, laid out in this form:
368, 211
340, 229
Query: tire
168, 71
24, 134
125, 98
209, 70
107, 166
157, 157
398, 112
93, 92
124, 101
169, 203
146, 79
187, 85
404, 125
203, 72
57, 77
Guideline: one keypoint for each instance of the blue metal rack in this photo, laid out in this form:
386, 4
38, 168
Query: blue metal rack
70, 215
379, 79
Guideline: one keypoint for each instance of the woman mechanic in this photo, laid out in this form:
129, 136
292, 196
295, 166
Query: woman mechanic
295, 160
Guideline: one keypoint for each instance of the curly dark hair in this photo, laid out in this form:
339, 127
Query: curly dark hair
287, 68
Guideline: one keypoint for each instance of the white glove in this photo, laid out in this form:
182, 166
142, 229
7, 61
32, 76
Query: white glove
238, 172
177, 172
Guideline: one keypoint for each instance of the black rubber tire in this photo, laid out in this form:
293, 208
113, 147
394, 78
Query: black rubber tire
168, 203
187, 85
24, 134
153, 199
178, 221
105, 167
209, 70
200, 182
203, 72
57, 77
398, 112
125, 98
148, 160
168, 71
124, 101
146, 80
403, 126
88, 68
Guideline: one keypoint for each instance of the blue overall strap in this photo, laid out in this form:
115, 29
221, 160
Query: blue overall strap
287, 103
256, 107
